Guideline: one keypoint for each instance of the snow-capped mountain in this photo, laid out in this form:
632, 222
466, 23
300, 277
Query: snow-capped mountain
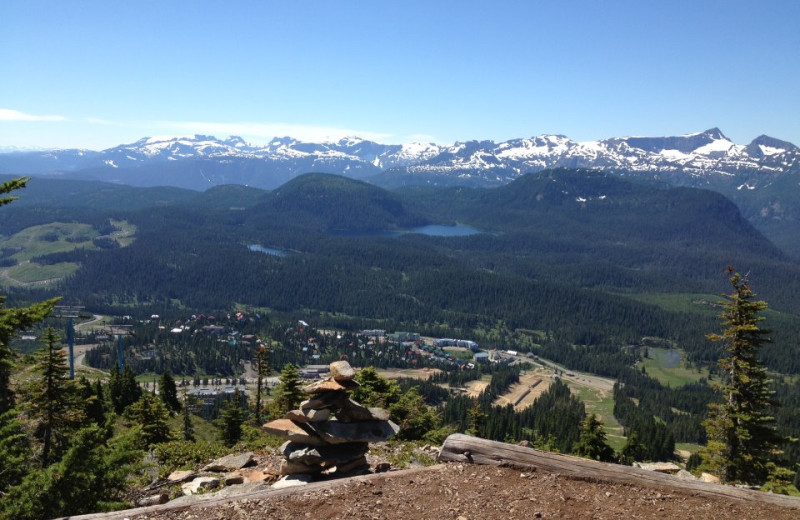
696, 158
200, 161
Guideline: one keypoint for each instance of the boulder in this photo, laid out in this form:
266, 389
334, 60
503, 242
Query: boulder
342, 371
232, 462
199, 484
708, 477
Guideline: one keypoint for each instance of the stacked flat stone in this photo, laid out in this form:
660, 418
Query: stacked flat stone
330, 433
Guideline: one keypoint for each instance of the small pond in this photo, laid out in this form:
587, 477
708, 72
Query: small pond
267, 250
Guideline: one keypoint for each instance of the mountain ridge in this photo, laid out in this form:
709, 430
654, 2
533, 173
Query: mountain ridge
689, 159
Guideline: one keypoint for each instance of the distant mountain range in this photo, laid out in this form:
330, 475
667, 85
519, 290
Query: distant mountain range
202, 161
762, 177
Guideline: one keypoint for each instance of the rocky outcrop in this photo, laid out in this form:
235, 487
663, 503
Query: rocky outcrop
329, 434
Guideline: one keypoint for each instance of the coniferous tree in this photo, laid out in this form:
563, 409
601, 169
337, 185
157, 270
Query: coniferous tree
150, 414
115, 388
477, 418
93, 473
130, 391
188, 427
231, 419
15, 450
263, 369
168, 391
633, 451
53, 401
413, 416
592, 443
288, 395
741, 434
94, 406
375, 390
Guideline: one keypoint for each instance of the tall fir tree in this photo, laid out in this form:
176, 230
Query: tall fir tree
231, 419
168, 391
288, 394
188, 427
263, 369
741, 433
592, 443
53, 401
150, 414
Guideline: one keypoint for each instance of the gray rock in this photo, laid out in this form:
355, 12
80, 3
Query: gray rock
295, 468
199, 485
342, 371
685, 475
153, 500
324, 400
358, 465
336, 432
307, 455
232, 462
318, 415
232, 479
351, 411
309, 415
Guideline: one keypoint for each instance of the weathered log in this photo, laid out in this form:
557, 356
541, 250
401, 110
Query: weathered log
474, 450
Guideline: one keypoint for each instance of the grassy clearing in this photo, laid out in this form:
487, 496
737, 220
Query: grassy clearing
31, 272
49, 238
601, 403
46, 239
125, 232
681, 302
669, 368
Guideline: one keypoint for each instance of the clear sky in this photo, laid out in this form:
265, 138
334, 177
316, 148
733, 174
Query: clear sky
94, 74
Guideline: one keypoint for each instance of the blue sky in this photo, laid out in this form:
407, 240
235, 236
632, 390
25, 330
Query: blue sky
96, 74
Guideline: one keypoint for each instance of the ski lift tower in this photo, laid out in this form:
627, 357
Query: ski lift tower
70, 312
120, 331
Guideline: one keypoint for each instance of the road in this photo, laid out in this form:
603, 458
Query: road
81, 350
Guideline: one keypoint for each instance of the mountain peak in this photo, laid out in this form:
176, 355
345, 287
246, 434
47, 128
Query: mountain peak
764, 145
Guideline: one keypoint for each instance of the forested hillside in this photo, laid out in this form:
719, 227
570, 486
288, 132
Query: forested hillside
559, 251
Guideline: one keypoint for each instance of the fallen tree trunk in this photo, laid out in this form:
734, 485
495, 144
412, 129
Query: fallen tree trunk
474, 450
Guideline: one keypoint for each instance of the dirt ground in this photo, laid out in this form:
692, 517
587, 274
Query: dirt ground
466, 492
413, 373
475, 388
517, 391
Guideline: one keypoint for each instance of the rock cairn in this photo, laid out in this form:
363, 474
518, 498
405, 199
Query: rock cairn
329, 435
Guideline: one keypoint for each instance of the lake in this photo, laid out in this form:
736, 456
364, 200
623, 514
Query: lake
267, 250
433, 230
